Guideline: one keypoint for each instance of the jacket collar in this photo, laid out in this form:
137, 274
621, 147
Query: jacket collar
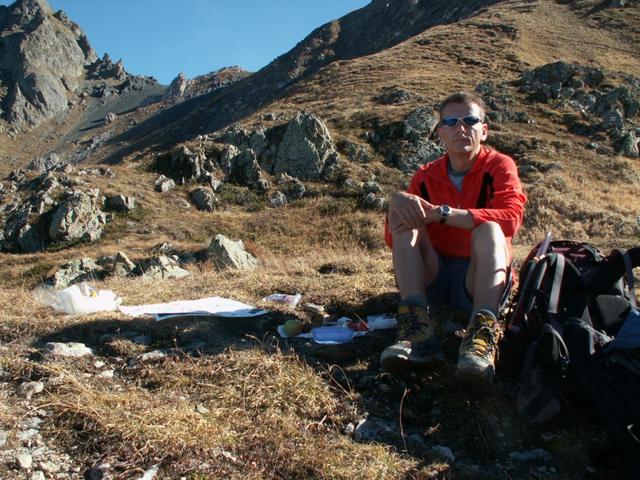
440, 170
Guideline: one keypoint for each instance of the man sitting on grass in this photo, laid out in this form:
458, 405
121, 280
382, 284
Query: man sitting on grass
450, 235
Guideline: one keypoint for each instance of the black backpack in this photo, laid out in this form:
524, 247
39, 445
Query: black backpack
574, 333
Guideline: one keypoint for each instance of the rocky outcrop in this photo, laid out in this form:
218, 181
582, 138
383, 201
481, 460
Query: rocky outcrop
46, 163
78, 218
177, 87
43, 59
305, 149
27, 219
86, 269
605, 104
301, 149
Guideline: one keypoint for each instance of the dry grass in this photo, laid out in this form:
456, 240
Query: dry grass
255, 413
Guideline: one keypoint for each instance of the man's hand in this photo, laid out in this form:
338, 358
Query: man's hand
408, 212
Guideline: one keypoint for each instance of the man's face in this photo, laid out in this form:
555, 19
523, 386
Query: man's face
461, 138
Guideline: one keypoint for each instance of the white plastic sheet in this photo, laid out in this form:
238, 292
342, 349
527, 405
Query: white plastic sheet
218, 306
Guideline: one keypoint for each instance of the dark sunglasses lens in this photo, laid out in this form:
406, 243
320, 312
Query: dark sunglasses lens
450, 121
470, 120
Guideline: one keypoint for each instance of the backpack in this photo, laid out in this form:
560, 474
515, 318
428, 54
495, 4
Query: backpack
574, 334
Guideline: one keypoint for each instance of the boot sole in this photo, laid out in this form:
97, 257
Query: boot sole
400, 366
474, 380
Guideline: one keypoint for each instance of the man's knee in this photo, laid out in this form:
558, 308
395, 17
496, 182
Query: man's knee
487, 237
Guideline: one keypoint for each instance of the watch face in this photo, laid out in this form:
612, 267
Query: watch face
445, 210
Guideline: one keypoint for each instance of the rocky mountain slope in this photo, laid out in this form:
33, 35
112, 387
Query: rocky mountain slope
242, 184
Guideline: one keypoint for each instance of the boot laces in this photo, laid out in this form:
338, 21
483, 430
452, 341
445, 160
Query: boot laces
481, 338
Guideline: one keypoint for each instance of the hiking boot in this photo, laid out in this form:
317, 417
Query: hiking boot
476, 357
417, 346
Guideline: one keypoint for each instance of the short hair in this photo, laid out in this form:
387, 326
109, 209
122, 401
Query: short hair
463, 97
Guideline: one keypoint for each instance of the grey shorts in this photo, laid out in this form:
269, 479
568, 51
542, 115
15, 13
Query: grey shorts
449, 289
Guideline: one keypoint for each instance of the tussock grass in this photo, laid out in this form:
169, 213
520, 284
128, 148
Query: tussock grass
267, 413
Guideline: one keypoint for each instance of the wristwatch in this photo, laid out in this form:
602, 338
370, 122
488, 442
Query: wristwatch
445, 212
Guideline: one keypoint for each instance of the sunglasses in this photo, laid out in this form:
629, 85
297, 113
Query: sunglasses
469, 121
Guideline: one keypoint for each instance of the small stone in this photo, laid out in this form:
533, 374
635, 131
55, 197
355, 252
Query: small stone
99, 472
3, 438
57, 380
71, 349
153, 355
24, 460
349, 429
28, 389
99, 364
202, 409
314, 308
535, 455
371, 429
33, 422
444, 452
49, 467
38, 475
28, 435
108, 374
141, 340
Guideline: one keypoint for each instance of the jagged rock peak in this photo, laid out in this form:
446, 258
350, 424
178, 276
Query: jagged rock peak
23, 12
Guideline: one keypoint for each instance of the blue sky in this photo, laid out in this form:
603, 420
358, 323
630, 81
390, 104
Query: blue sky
162, 38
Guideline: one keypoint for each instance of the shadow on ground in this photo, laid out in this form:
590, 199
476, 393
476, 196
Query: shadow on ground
427, 416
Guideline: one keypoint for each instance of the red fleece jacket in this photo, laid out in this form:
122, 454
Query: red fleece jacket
491, 191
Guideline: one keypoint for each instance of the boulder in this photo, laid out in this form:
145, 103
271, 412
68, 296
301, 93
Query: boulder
242, 139
371, 202
120, 203
613, 119
109, 118
355, 152
278, 199
164, 184
393, 96
408, 157
16, 225
186, 165
226, 253
78, 218
118, 265
293, 188
204, 199
45, 164
226, 158
160, 267
629, 145
305, 148
82, 270
419, 124
245, 170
